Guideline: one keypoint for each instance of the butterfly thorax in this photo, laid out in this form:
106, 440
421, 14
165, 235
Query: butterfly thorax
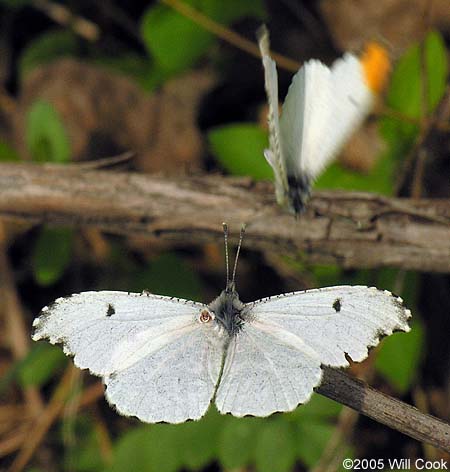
227, 309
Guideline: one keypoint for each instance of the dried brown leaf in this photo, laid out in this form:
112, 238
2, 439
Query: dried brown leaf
106, 113
398, 22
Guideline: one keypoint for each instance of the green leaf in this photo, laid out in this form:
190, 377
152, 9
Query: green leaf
41, 364
275, 448
312, 437
197, 440
318, 408
237, 442
7, 153
240, 149
81, 443
167, 448
149, 448
169, 275
45, 135
436, 67
405, 91
380, 178
399, 357
46, 48
52, 254
176, 42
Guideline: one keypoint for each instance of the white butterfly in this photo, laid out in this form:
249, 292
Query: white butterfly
166, 359
322, 109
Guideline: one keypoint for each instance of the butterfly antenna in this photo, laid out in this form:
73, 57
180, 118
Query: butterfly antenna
227, 263
241, 237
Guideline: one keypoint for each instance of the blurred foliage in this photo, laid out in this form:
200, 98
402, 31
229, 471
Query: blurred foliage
268, 444
47, 141
51, 254
7, 153
168, 49
46, 137
48, 47
175, 44
41, 363
239, 147
415, 85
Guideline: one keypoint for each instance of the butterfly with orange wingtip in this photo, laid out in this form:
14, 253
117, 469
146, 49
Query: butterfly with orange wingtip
323, 107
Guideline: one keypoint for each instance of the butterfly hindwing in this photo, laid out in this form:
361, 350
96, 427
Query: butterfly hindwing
266, 371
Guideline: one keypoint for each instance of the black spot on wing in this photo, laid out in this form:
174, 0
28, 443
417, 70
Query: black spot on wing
111, 310
337, 305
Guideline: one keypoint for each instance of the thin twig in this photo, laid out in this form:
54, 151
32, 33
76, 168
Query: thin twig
104, 162
440, 115
16, 440
42, 424
14, 317
61, 15
228, 35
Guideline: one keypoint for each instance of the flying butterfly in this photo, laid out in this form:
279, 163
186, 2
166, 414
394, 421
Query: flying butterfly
323, 107
163, 359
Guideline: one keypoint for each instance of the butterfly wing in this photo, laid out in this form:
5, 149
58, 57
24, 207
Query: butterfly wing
350, 102
266, 370
273, 155
274, 361
304, 119
157, 360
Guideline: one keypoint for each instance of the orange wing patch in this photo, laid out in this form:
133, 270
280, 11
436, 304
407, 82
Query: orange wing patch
376, 65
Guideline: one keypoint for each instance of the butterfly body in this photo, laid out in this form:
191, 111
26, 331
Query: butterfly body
228, 310
298, 192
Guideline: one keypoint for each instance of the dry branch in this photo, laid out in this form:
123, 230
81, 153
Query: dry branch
354, 393
353, 230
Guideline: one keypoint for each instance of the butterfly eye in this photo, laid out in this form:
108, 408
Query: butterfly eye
206, 316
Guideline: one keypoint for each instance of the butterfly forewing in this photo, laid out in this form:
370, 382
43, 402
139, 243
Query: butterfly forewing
335, 321
159, 362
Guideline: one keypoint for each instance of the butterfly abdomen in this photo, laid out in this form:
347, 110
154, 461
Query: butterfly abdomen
299, 192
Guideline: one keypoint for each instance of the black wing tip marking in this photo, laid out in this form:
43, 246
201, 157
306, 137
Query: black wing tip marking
45, 313
403, 312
